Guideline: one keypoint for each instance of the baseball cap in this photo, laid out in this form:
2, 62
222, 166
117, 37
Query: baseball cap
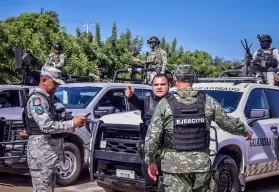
53, 73
184, 70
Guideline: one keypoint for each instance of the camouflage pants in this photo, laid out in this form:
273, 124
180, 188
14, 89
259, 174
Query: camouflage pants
186, 182
43, 180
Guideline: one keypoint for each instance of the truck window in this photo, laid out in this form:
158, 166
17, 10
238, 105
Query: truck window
9, 98
229, 100
147, 92
272, 97
113, 98
143, 92
76, 97
256, 100
138, 92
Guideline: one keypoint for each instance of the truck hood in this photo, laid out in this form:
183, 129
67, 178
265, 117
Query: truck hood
130, 118
13, 113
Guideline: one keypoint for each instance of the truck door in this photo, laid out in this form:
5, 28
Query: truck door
272, 98
259, 149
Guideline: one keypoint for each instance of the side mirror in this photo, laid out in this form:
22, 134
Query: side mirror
101, 111
257, 114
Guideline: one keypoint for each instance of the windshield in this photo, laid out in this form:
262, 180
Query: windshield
228, 99
76, 97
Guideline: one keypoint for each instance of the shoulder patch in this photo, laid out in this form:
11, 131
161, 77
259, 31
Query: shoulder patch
37, 101
39, 109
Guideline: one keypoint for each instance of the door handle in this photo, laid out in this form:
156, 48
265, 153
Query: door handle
274, 130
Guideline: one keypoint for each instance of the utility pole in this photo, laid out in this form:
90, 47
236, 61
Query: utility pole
42, 10
87, 25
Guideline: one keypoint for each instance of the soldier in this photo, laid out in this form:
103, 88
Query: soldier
266, 56
56, 59
47, 123
102, 76
186, 162
160, 88
157, 57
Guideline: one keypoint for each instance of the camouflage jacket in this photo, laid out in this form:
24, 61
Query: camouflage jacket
159, 57
42, 150
57, 61
162, 121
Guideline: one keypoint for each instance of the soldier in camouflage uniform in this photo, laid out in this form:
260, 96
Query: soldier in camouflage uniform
47, 123
157, 56
101, 76
266, 56
56, 59
185, 137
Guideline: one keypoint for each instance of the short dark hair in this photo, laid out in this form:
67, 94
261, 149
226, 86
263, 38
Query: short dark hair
160, 75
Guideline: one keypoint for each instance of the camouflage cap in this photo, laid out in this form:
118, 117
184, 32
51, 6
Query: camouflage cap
53, 73
184, 70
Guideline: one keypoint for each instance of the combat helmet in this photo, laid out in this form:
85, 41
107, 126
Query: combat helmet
153, 39
263, 38
57, 46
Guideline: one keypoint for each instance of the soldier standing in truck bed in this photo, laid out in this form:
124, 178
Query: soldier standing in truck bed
266, 56
56, 59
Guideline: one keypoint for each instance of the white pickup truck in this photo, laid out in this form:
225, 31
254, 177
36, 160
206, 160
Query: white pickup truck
237, 161
80, 98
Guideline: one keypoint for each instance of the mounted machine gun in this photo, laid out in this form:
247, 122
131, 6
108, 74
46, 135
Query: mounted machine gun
145, 73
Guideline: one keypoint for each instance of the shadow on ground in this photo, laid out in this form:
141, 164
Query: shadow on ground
17, 180
270, 184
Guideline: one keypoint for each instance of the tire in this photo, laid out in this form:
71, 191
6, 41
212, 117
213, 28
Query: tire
228, 180
70, 171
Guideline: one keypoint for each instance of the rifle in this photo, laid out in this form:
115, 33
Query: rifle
248, 57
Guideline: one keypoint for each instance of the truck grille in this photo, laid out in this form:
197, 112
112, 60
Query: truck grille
121, 134
122, 147
121, 140
11, 131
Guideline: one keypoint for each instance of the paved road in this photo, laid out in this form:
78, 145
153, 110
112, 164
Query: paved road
21, 183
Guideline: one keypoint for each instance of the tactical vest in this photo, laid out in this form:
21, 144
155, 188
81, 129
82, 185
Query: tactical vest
155, 56
190, 131
55, 58
149, 106
30, 124
264, 54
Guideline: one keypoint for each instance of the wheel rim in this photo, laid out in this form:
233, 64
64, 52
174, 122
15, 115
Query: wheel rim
67, 169
225, 183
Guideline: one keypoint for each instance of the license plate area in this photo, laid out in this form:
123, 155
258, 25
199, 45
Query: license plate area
125, 173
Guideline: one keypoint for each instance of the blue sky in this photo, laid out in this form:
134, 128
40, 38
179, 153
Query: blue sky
215, 26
